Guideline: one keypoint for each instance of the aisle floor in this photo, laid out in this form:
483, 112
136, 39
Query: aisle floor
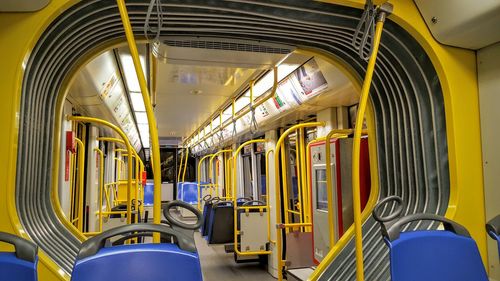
217, 265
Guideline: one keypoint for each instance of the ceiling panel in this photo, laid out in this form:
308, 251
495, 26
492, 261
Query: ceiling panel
22, 5
188, 94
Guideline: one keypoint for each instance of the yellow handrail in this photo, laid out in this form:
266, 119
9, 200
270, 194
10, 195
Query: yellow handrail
180, 166
139, 166
267, 196
129, 152
329, 184
305, 181
279, 144
71, 183
199, 179
211, 169
284, 181
236, 208
308, 176
101, 184
229, 173
153, 131
185, 165
81, 169
300, 192
363, 100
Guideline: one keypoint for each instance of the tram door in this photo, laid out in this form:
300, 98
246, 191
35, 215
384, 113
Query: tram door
341, 171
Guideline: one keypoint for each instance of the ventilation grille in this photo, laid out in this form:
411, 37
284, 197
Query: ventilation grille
227, 46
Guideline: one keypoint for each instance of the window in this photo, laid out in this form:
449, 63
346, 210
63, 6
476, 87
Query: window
321, 192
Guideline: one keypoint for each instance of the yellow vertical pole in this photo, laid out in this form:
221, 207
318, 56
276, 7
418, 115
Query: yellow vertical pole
235, 192
101, 184
81, 164
308, 173
127, 144
286, 200
137, 178
300, 191
155, 145
279, 145
72, 187
330, 187
267, 194
199, 179
185, 164
229, 191
363, 101
305, 183
180, 167
212, 158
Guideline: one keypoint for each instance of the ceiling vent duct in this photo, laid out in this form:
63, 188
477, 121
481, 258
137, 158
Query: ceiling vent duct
220, 52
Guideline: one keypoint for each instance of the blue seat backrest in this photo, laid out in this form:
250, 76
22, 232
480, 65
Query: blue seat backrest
149, 194
190, 192
16, 269
139, 262
435, 256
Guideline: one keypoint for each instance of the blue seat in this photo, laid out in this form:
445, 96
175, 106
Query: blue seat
493, 229
190, 192
21, 264
431, 255
148, 194
138, 262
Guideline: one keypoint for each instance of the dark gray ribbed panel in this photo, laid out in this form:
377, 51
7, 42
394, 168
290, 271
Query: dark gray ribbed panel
406, 94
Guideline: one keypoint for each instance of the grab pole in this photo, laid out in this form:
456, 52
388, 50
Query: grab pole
155, 143
279, 224
356, 151
129, 152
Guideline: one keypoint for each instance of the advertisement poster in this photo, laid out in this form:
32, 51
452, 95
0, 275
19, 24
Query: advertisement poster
311, 79
289, 93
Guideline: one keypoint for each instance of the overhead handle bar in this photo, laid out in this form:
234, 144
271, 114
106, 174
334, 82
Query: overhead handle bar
377, 211
24, 249
392, 233
94, 244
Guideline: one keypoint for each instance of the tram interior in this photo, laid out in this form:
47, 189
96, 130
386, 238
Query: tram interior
185, 150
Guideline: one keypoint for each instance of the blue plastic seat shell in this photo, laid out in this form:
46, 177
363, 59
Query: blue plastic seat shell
435, 256
17, 269
140, 262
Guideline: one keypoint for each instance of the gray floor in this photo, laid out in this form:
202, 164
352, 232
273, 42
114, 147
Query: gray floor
217, 265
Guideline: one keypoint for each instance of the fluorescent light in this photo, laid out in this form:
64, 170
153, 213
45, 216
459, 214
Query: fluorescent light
144, 133
141, 117
129, 71
137, 101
